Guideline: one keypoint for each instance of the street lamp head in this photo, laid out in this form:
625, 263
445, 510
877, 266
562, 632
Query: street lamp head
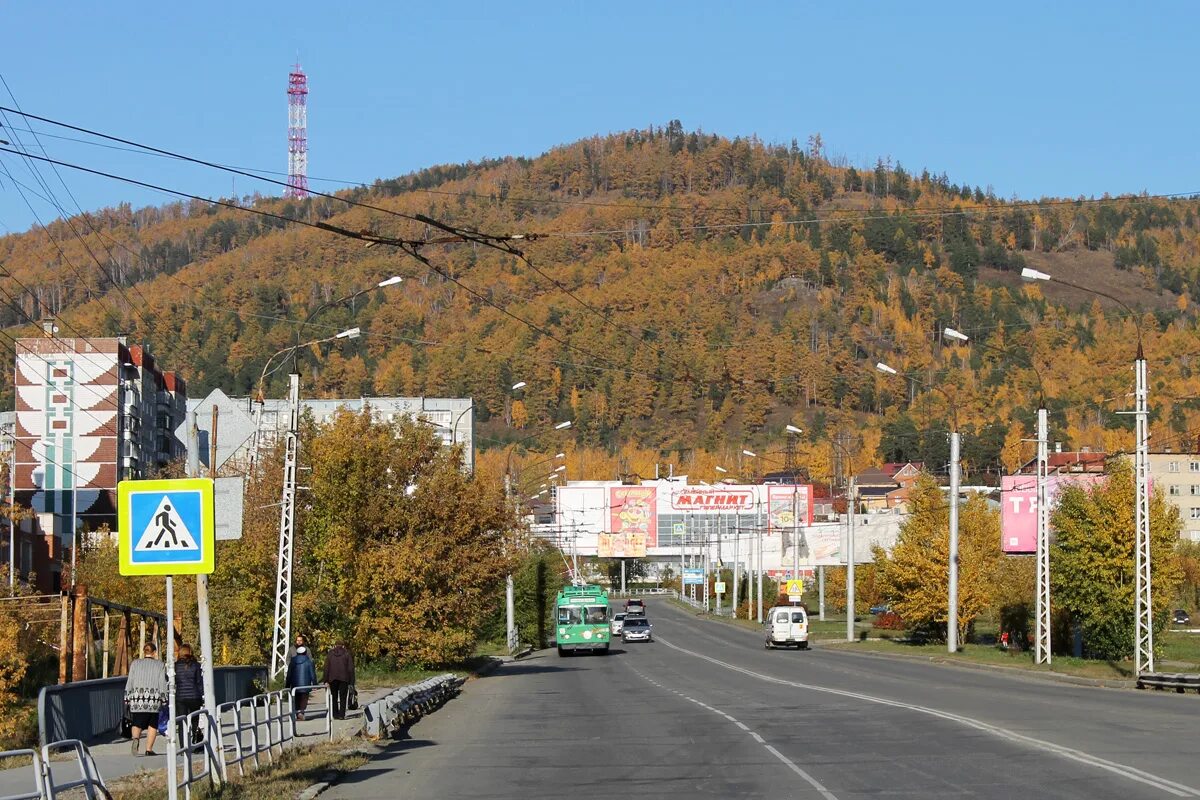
562, 426
562, 468
728, 480
392, 281
882, 367
518, 385
351, 333
792, 429
748, 453
950, 333
1033, 275
560, 455
721, 469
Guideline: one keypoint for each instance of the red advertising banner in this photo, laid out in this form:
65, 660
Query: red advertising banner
633, 510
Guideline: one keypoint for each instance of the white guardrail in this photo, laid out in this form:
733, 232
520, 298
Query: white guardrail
45, 786
409, 703
242, 734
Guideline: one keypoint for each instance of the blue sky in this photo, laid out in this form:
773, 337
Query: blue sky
1058, 99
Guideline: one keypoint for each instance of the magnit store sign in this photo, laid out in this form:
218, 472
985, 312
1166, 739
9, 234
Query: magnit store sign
705, 498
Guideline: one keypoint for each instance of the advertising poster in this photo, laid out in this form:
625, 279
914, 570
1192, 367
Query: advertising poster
1018, 507
621, 545
634, 510
788, 507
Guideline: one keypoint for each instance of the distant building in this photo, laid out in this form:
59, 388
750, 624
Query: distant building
1179, 476
452, 419
89, 413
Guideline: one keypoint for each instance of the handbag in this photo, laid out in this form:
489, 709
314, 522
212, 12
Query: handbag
164, 719
352, 698
126, 723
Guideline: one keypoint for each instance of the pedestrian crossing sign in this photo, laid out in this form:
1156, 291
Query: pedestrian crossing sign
166, 527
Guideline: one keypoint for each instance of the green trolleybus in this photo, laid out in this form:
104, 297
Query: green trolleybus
582, 619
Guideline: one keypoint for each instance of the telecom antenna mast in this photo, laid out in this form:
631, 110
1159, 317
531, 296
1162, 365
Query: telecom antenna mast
297, 134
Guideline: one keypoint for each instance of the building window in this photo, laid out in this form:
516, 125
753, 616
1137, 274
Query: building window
1172, 466
1173, 490
1194, 491
60, 372
1194, 466
61, 425
58, 399
1195, 513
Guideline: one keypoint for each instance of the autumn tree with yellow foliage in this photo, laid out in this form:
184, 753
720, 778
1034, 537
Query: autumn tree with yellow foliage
915, 575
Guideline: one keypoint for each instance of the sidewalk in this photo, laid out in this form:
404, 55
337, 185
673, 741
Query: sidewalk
114, 760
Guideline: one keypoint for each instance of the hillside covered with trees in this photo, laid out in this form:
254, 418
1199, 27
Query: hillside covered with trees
679, 294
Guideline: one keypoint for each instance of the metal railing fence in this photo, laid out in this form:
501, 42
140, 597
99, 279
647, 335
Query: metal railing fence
89, 776
36, 765
85, 710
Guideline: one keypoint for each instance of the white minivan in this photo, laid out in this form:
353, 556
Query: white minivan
786, 626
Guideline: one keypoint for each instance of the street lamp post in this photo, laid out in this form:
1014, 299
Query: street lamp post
955, 467
1143, 602
1042, 634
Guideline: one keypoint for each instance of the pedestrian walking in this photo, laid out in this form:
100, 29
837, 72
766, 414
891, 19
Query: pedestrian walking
301, 672
339, 674
145, 694
189, 686
300, 642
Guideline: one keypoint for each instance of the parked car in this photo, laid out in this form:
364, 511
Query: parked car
636, 629
1180, 617
881, 609
618, 621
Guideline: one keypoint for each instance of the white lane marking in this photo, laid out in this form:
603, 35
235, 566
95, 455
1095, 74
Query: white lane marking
1124, 770
825, 793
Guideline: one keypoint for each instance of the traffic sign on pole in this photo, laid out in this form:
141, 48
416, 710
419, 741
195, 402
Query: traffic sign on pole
795, 590
166, 527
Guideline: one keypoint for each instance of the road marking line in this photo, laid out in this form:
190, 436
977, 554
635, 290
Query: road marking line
825, 793
1124, 770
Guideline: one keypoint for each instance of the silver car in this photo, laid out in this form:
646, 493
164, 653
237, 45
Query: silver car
636, 629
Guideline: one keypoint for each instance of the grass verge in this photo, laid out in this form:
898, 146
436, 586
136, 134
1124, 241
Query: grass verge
293, 773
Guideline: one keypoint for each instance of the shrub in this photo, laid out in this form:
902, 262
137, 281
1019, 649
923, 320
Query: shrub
890, 621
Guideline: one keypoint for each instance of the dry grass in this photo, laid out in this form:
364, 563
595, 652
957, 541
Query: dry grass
293, 773
1092, 268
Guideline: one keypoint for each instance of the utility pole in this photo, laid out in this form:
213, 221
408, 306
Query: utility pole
759, 525
821, 593
287, 524
202, 604
510, 627
737, 567
1042, 610
952, 618
850, 509
1145, 607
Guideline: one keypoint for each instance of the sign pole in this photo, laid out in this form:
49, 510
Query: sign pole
202, 606
737, 564
172, 744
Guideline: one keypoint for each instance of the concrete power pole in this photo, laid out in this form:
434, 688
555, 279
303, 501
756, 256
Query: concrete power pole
287, 541
202, 605
850, 509
952, 618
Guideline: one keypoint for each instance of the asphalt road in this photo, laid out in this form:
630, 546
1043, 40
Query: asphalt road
705, 711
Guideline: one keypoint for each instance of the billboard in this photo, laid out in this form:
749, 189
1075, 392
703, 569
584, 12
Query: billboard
1018, 506
621, 545
788, 507
693, 498
634, 510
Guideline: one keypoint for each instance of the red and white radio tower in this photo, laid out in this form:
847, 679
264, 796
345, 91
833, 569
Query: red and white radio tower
297, 134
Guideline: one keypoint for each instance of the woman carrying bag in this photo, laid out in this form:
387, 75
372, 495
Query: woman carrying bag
145, 694
339, 674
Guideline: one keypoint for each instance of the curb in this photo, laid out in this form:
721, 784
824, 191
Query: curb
835, 645
1053, 677
329, 778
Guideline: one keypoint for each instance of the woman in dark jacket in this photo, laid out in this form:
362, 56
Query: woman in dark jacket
301, 672
189, 687
339, 674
